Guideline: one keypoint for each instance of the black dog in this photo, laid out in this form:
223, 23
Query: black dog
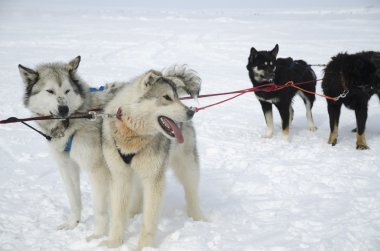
263, 68
359, 76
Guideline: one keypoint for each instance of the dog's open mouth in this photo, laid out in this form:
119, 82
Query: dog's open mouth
171, 128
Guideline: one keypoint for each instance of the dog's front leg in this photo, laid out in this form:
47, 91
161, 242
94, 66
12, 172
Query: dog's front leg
121, 184
70, 174
152, 192
285, 113
268, 114
99, 177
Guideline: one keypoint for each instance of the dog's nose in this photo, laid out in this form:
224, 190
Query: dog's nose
271, 75
63, 110
190, 113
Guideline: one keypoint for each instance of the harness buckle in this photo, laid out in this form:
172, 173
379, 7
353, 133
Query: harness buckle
93, 115
343, 95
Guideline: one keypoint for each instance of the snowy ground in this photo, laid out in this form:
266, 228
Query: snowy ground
259, 194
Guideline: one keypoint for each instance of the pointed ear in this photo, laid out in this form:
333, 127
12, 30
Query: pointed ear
29, 76
73, 64
253, 54
149, 78
274, 52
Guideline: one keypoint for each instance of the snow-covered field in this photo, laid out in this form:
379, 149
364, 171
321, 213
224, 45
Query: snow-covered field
259, 194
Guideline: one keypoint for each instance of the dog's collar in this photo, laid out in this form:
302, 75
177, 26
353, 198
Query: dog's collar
127, 158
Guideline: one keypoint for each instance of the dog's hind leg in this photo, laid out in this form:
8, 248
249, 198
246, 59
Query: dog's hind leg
185, 164
308, 100
153, 187
361, 118
70, 174
334, 114
268, 114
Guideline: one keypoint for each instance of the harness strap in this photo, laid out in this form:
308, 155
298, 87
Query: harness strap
94, 89
127, 158
38, 131
69, 143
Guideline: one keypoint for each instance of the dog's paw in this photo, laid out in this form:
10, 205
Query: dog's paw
93, 237
285, 137
201, 218
68, 225
362, 147
332, 141
111, 243
268, 135
313, 128
197, 215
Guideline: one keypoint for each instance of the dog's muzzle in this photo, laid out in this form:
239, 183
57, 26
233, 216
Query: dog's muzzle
63, 110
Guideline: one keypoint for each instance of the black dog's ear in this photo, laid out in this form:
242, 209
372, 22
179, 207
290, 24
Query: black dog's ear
253, 54
274, 52
29, 76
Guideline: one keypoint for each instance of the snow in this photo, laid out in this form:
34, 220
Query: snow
258, 194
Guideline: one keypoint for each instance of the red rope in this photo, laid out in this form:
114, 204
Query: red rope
265, 87
270, 87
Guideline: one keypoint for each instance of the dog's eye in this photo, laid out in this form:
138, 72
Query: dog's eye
271, 63
168, 98
67, 91
266, 63
50, 91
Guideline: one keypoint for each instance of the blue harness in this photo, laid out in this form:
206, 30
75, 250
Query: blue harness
94, 89
69, 142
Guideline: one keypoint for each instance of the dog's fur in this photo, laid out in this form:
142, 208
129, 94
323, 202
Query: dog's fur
264, 68
56, 89
359, 74
138, 147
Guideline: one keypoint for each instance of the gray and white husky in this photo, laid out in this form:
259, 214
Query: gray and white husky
56, 89
151, 130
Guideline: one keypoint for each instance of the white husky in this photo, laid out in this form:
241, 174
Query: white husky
56, 89
151, 130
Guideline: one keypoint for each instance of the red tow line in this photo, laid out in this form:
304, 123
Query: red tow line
270, 87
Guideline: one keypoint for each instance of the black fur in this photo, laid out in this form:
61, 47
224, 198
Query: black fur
359, 74
280, 71
127, 158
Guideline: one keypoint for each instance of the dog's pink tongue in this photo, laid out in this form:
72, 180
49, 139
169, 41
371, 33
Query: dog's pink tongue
177, 132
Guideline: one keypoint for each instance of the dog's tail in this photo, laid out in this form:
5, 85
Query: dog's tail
100, 98
186, 80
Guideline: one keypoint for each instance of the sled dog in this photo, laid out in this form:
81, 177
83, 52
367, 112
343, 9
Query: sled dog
56, 89
151, 130
358, 75
264, 67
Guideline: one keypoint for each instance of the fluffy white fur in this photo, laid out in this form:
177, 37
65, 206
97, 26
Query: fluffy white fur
140, 184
